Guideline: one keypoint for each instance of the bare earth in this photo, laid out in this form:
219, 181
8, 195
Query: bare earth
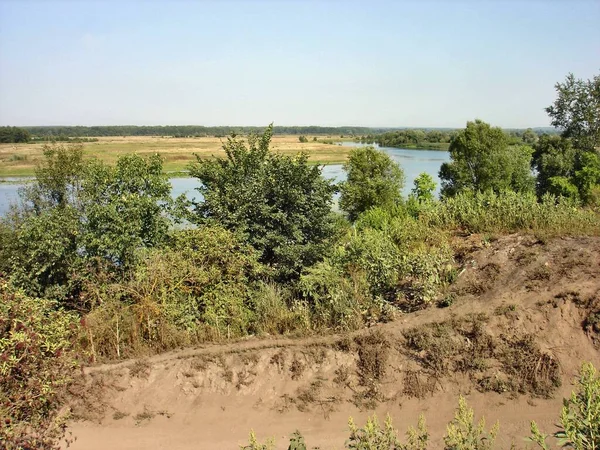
210, 397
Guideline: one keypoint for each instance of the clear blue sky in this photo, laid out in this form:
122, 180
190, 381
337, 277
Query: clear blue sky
327, 62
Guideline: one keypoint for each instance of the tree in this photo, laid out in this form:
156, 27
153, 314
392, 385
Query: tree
576, 111
569, 165
554, 161
10, 135
529, 137
303, 139
125, 207
76, 212
482, 159
424, 188
373, 179
281, 205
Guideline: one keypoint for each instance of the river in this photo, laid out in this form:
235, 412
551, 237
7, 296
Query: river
413, 162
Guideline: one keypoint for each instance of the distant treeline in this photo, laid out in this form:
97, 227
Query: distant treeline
9, 135
440, 138
386, 137
194, 130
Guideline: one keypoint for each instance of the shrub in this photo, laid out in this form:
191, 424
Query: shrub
463, 434
580, 415
200, 287
36, 366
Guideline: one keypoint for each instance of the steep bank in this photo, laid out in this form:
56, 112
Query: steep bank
520, 322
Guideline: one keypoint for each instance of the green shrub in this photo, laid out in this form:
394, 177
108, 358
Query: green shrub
200, 287
463, 434
580, 415
36, 366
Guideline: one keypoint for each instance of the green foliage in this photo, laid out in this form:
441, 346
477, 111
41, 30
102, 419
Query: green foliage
302, 139
511, 212
9, 135
297, 441
463, 434
337, 301
482, 159
281, 205
124, 208
575, 111
375, 437
372, 436
580, 415
373, 180
424, 188
35, 368
253, 444
554, 156
77, 215
200, 287
57, 178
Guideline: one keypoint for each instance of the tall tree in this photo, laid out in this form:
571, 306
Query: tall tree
373, 180
482, 159
576, 111
280, 204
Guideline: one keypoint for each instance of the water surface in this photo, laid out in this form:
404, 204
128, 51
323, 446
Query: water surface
413, 162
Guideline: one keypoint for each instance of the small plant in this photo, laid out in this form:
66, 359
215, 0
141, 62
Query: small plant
580, 416
146, 414
253, 443
372, 436
140, 369
118, 415
463, 434
297, 440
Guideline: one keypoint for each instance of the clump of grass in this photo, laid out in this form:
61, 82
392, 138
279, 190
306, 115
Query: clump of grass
373, 353
140, 369
297, 369
118, 415
145, 415
462, 345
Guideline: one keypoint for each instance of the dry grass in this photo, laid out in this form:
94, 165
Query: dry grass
21, 159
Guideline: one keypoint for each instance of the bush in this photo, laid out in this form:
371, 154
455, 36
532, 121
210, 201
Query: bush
511, 212
200, 287
463, 434
36, 366
580, 415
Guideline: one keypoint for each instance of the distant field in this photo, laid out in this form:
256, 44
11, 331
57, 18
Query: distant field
177, 153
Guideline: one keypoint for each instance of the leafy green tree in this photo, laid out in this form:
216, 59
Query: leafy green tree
529, 137
303, 139
280, 204
10, 135
58, 178
576, 111
424, 188
554, 156
482, 160
125, 207
373, 180
76, 213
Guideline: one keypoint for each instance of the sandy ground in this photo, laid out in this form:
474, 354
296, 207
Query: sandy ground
211, 397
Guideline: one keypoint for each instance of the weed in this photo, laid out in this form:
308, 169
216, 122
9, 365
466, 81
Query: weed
118, 415
146, 414
140, 369
297, 369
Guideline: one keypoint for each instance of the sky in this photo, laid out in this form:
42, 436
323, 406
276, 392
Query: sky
291, 62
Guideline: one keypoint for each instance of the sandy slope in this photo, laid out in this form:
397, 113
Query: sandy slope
210, 397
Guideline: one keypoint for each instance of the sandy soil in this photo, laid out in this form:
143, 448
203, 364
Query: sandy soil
210, 397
